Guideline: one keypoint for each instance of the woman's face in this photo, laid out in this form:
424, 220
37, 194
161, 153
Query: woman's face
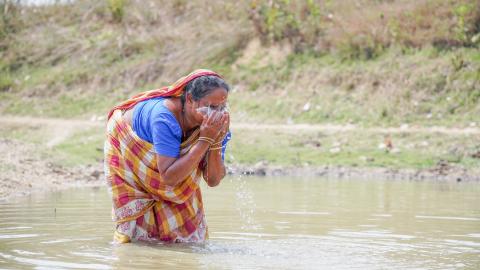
215, 101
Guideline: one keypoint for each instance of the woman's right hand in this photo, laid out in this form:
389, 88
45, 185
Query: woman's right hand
212, 125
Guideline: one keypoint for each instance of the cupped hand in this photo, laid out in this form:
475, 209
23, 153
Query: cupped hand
212, 125
225, 126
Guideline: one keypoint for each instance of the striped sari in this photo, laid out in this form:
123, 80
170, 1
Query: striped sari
144, 208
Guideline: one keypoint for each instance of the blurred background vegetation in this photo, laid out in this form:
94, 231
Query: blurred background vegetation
366, 62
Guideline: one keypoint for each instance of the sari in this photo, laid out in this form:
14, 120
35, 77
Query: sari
144, 207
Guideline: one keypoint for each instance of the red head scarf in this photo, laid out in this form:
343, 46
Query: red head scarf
174, 90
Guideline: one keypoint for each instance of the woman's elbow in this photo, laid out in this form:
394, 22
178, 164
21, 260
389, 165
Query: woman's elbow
215, 181
169, 181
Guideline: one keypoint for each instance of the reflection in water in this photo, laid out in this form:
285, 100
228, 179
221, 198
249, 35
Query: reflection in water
257, 223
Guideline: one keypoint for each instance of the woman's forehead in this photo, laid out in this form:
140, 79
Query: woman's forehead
217, 96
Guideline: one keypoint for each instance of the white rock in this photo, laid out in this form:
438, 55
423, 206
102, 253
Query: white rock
306, 107
336, 144
395, 151
382, 146
335, 150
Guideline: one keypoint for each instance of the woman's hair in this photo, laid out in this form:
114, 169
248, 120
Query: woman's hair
203, 86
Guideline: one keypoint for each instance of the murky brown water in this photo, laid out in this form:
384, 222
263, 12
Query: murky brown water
261, 223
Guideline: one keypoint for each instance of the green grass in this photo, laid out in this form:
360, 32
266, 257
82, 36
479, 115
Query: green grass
70, 69
67, 105
78, 61
284, 148
396, 88
359, 148
85, 147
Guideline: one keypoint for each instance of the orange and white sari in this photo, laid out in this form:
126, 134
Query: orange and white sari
144, 208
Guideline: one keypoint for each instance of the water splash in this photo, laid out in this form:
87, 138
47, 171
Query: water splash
245, 201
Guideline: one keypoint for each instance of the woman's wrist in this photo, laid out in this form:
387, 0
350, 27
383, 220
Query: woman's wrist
220, 138
209, 140
215, 148
204, 146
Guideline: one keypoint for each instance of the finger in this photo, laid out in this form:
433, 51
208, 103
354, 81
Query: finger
204, 121
218, 119
218, 115
225, 122
222, 118
227, 119
211, 118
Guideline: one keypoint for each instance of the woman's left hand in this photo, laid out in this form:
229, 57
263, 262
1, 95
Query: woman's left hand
225, 126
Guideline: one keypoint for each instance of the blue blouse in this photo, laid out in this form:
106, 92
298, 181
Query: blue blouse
153, 122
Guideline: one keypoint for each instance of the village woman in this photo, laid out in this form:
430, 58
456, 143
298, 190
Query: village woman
159, 145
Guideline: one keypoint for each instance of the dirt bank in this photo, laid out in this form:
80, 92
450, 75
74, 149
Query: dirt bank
442, 172
23, 170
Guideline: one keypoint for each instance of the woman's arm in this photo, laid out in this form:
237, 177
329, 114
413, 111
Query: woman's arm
215, 169
175, 170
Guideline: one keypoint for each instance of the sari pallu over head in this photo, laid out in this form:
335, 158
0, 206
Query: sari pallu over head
144, 208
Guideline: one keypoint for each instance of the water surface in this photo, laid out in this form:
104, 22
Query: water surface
261, 223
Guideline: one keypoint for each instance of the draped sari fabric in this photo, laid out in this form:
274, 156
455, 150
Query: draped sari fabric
144, 208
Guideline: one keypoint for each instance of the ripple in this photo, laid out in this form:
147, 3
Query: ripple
54, 264
16, 236
448, 218
305, 213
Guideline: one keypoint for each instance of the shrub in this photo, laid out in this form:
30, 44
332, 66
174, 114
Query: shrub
9, 19
297, 22
117, 9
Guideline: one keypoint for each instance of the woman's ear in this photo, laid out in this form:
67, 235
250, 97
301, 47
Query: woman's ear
189, 99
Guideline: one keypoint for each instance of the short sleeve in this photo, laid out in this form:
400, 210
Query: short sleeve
166, 135
225, 142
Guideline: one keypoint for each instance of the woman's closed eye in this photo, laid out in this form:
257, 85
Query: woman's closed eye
220, 108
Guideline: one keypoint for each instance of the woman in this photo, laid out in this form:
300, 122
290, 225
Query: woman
159, 144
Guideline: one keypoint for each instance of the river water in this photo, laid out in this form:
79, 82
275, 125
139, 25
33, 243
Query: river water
261, 223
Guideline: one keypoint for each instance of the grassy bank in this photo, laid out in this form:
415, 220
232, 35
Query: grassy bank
282, 147
368, 63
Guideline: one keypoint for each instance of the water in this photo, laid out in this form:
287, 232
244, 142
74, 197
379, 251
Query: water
261, 223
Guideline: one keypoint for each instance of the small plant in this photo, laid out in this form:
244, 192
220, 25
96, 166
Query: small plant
6, 81
297, 22
467, 28
362, 47
117, 8
179, 6
9, 19
457, 62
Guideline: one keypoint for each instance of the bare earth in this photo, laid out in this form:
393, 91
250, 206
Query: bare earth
23, 170
68, 124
